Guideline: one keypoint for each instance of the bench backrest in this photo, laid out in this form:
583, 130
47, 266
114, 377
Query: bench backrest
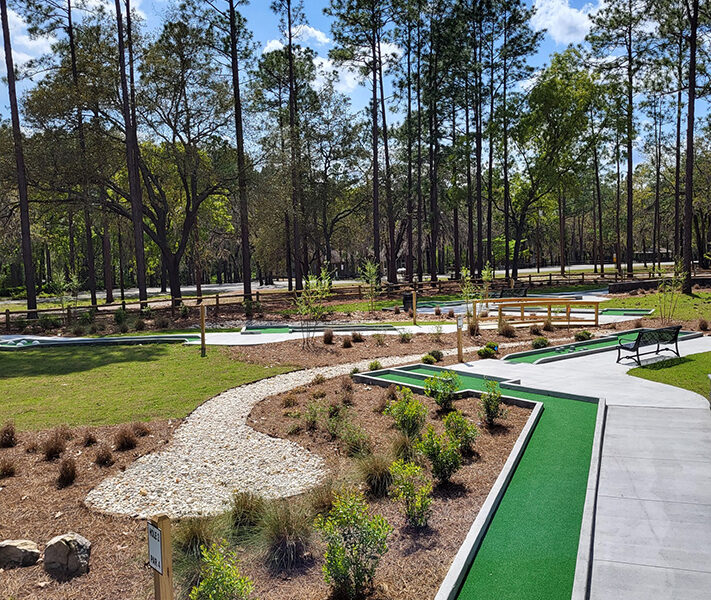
663, 335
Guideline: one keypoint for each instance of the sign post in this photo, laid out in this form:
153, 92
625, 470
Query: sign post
460, 351
414, 307
160, 556
202, 330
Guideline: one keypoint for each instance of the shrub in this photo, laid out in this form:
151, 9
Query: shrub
123, 328
8, 436
441, 388
328, 336
32, 447
318, 379
289, 401
438, 355
411, 487
548, 325
428, 359
346, 385
355, 371
437, 310
356, 441
284, 532
493, 345
461, 430
506, 329
220, 577
162, 323
379, 339
78, 331
442, 452
139, 325
403, 447
638, 324
7, 468
437, 333
410, 313
535, 329
125, 439
473, 329
67, 473
120, 316
184, 311
147, 312
375, 366
490, 407
312, 415
46, 322
140, 429
703, 324
539, 342
374, 470
355, 543
53, 446
450, 313
486, 352
346, 343
88, 440
405, 337
582, 336
396, 310
357, 337
103, 457
347, 395
86, 317
245, 512
408, 413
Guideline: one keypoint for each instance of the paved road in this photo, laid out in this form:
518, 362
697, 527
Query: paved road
652, 536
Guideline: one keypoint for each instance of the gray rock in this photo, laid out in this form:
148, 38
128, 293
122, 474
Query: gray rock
67, 555
18, 553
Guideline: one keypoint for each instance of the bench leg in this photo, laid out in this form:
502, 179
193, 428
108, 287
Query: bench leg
638, 360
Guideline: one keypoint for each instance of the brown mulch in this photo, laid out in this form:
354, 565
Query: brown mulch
32, 507
417, 561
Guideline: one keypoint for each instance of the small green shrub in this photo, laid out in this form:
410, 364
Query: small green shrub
356, 440
379, 339
490, 406
355, 371
312, 415
428, 359
441, 388
123, 328
375, 366
184, 311
411, 487
139, 325
438, 355
78, 330
46, 322
147, 312
220, 577
405, 337
461, 430
408, 413
486, 352
355, 543
120, 316
539, 342
320, 498
442, 452
404, 447
193, 533
374, 470
583, 336
86, 317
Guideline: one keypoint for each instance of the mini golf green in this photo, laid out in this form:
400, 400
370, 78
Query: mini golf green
408, 377
627, 312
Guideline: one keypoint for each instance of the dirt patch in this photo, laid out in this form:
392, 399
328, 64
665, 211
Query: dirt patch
416, 562
32, 507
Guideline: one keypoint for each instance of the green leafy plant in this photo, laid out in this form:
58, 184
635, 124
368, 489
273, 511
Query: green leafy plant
355, 544
540, 342
310, 304
379, 339
442, 452
408, 413
120, 316
414, 490
375, 366
220, 576
437, 355
486, 352
582, 336
405, 337
356, 440
370, 275
461, 430
669, 294
442, 388
490, 405
428, 359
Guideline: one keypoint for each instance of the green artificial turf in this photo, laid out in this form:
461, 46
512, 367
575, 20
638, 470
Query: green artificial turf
530, 549
99, 385
688, 372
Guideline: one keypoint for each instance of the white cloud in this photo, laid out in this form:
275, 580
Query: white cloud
565, 24
304, 33
272, 45
24, 47
348, 76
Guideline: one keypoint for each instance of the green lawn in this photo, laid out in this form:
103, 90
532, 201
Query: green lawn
688, 308
108, 385
689, 372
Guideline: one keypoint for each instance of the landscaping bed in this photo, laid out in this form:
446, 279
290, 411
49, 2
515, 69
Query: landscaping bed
34, 508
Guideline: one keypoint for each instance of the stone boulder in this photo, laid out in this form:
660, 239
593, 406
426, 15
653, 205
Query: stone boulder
67, 555
18, 553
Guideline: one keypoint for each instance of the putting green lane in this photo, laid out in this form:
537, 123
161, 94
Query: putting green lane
402, 377
569, 349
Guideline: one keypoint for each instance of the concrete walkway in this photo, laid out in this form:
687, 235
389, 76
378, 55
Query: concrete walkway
652, 535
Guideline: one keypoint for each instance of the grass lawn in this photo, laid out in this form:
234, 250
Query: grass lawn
688, 372
108, 385
688, 308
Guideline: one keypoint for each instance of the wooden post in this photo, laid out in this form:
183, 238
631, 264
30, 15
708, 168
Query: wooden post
522, 313
257, 295
550, 278
583, 277
69, 315
360, 293
160, 556
460, 351
567, 314
217, 304
7, 319
549, 312
597, 313
414, 307
202, 330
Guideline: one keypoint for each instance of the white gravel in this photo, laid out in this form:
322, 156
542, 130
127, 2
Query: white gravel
215, 453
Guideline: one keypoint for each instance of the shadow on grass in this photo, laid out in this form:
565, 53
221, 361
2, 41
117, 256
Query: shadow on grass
63, 361
666, 363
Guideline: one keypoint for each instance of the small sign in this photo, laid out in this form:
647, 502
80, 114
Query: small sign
155, 548
460, 321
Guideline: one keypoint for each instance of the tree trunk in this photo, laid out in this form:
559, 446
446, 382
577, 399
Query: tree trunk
90, 258
409, 267
108, 263
630, 164
375, 135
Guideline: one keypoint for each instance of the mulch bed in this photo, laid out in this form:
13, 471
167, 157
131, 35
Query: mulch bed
32, 507
417, 561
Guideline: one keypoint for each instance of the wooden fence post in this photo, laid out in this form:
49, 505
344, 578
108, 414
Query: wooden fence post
69, 315
202, 330
460, 351
217, 304
7, 319
160, 556
414, 307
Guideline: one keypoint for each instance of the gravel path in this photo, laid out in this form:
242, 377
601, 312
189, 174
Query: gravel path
214, 453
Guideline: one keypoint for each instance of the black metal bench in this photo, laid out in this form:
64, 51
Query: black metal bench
516, 292
664, 336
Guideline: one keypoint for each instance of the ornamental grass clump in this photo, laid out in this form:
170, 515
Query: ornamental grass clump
67, 473
284, 532
539, 342
442, 388
414, 490
355, 544
408, 412
374, 470
8, 437
490, 406
460, 430
442, 452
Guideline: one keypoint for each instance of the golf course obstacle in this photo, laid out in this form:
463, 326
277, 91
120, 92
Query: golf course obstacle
26, 342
